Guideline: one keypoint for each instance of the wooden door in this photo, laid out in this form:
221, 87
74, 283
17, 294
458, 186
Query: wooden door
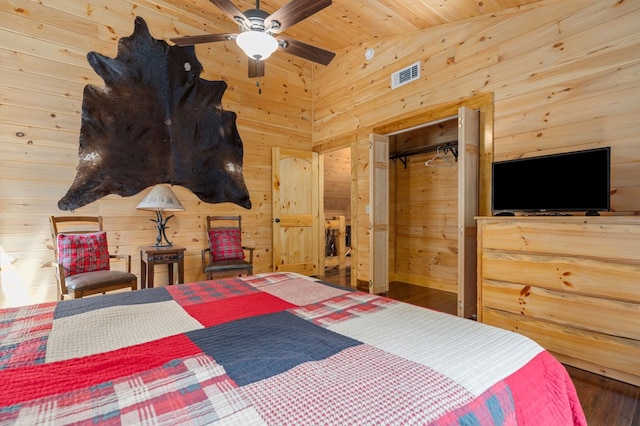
296, 221
379, 213
468, 153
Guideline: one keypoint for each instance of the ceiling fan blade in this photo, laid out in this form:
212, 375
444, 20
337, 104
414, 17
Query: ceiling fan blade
307, 51
256, 68
235, 14
294, 12
204, 38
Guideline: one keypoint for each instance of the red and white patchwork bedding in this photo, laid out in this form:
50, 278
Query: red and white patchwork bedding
270, 349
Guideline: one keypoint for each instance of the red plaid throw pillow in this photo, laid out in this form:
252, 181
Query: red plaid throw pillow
80, 253
225, 244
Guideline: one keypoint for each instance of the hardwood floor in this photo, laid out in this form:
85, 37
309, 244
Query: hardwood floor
606, 402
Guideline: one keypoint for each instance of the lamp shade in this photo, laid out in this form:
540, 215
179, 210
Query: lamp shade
256, 44
161, 198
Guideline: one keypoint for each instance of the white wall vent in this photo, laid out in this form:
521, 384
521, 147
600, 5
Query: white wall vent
405, 75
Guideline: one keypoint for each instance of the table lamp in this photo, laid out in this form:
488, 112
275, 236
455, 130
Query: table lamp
161, 199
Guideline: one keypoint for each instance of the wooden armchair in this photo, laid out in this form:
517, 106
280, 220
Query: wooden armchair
83, 262
225, 256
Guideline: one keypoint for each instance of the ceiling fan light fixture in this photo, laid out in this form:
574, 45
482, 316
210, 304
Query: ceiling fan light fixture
257, 44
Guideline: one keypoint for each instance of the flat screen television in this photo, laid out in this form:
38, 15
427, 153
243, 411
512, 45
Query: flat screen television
567, 182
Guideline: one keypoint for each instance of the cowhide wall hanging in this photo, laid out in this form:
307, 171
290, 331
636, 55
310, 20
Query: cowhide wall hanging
154, 122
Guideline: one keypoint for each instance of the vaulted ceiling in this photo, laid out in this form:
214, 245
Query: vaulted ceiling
347, 22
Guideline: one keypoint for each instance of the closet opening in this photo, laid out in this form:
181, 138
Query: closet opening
423, 209
433, 200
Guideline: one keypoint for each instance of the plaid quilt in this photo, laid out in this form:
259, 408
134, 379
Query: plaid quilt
271, 349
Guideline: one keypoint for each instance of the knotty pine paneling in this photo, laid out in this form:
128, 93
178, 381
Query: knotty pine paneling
563, 75
337, 184
43, 62
424, 204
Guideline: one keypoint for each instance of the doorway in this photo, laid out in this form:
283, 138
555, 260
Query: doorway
423, 205
432, 206
361, 267
337, 178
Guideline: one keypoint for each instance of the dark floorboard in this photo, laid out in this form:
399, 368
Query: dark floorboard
606, 402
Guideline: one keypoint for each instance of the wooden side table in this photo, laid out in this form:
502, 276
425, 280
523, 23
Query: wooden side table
150, 256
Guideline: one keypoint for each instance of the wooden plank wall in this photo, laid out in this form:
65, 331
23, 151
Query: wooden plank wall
425, 203
337, 184
563, 75
44, 70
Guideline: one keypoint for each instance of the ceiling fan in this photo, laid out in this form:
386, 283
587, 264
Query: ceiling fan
257, 29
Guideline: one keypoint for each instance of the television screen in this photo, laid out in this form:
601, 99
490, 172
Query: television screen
567, 182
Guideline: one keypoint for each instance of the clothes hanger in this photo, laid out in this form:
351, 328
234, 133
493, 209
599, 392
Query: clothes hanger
439, 160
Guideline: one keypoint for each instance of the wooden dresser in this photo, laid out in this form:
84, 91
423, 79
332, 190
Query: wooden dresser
570, 283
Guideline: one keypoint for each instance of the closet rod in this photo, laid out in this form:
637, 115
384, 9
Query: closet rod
402, 156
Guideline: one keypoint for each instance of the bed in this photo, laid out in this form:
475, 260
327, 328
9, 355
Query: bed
277, 348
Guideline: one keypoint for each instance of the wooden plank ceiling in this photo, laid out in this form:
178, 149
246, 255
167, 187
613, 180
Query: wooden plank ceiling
347, 22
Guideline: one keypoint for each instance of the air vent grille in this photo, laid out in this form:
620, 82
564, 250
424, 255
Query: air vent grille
405, 75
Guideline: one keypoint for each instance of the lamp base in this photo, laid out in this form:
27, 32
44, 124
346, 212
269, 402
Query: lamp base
163, 245
161, 226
